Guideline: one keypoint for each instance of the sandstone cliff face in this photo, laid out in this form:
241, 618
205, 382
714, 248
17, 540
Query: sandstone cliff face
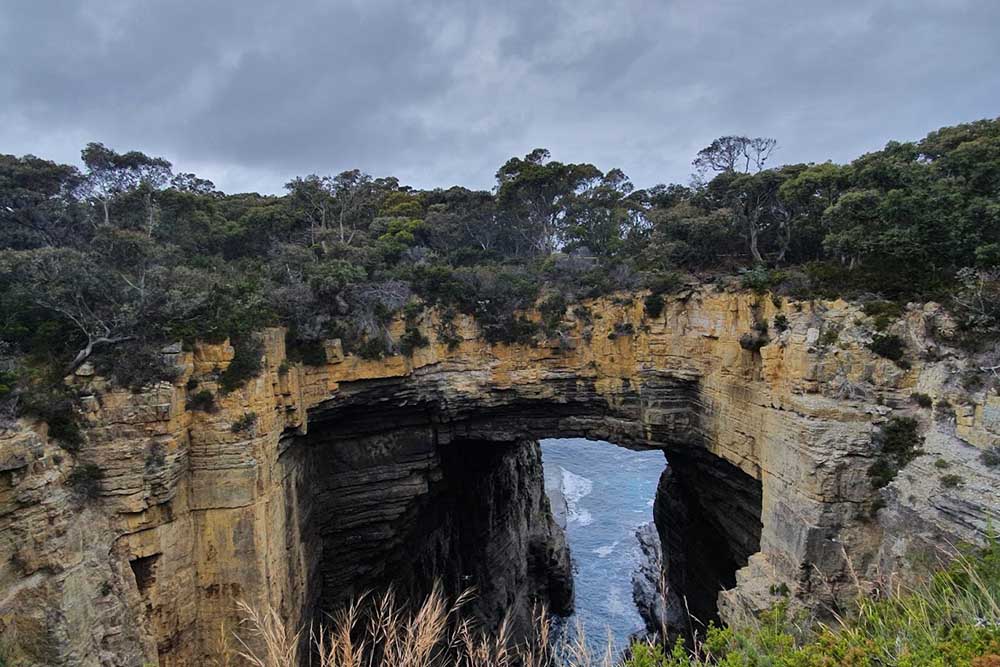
347, 458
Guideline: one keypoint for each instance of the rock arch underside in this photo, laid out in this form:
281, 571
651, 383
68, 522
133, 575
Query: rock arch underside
406, 469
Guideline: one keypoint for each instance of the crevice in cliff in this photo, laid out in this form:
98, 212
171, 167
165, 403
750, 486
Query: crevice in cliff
708, 515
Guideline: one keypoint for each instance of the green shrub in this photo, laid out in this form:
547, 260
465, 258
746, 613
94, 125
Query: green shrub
307, 352
888, 346
653, 305
752, 341
446, 331
54, 405
991, 456
830, 335
896, 443
411, 340
952, 620
758, 279
941, 464
85, 480
553, 309
374, 347
951, 481
621, 329
244, 423
923, 400
944, 411
584, 315
664, 283
780, 323
884, 312
203, 401
247, 363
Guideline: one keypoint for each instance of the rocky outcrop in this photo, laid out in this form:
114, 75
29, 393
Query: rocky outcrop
195, 510
658, 605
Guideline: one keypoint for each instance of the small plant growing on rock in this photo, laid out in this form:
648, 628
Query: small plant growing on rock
951, 481
884, 312
621, 329
203, 401
245, 423
85, 480
411, 340
991, 456
888, 346
653, 305
552, 309
830, 335
941, 464
923, 400
944, 411
781, 323
247, 363
752, 341
897, 443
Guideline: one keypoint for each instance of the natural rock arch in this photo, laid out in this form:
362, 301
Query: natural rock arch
205, 514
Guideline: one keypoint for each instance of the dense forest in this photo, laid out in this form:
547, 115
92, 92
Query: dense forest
111, 263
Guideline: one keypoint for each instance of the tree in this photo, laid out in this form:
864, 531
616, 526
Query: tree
601, 217
753, 202
536, 196
356, 199
313, 197
35, 203
735, 154
188, 182
111, 174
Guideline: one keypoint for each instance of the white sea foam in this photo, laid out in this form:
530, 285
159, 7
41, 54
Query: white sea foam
607, 549
614, 603
574, 489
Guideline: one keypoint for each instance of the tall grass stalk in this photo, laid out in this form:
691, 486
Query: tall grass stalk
951, 620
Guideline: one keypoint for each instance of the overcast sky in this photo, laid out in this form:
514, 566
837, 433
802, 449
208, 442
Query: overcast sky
250, 93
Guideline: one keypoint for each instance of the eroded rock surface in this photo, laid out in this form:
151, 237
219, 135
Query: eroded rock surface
192, 515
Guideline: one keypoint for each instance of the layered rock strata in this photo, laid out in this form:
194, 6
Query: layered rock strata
195, 510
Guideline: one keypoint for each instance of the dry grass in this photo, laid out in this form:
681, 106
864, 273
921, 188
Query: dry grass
382, 631
953, 619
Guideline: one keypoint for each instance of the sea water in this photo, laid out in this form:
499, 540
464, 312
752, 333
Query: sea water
601, 493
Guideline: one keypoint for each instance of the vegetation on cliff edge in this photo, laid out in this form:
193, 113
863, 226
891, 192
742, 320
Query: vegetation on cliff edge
111, 263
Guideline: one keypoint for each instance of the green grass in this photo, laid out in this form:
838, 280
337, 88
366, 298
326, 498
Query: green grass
952, 620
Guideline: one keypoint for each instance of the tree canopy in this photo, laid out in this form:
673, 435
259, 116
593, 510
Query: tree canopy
125, 256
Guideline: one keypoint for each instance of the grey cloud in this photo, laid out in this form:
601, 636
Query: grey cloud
441, 92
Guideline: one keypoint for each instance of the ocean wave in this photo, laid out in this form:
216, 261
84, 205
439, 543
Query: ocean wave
607, 549
574, 488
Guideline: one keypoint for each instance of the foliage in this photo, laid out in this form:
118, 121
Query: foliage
244, 424
411, 340
247, 362
653, 305
923, 400
202, 401
112, 263
951, 619
896, 443
85, 480
889, 346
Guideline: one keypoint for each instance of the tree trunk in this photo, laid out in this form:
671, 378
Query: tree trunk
753, 244
85, 353
149, 214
